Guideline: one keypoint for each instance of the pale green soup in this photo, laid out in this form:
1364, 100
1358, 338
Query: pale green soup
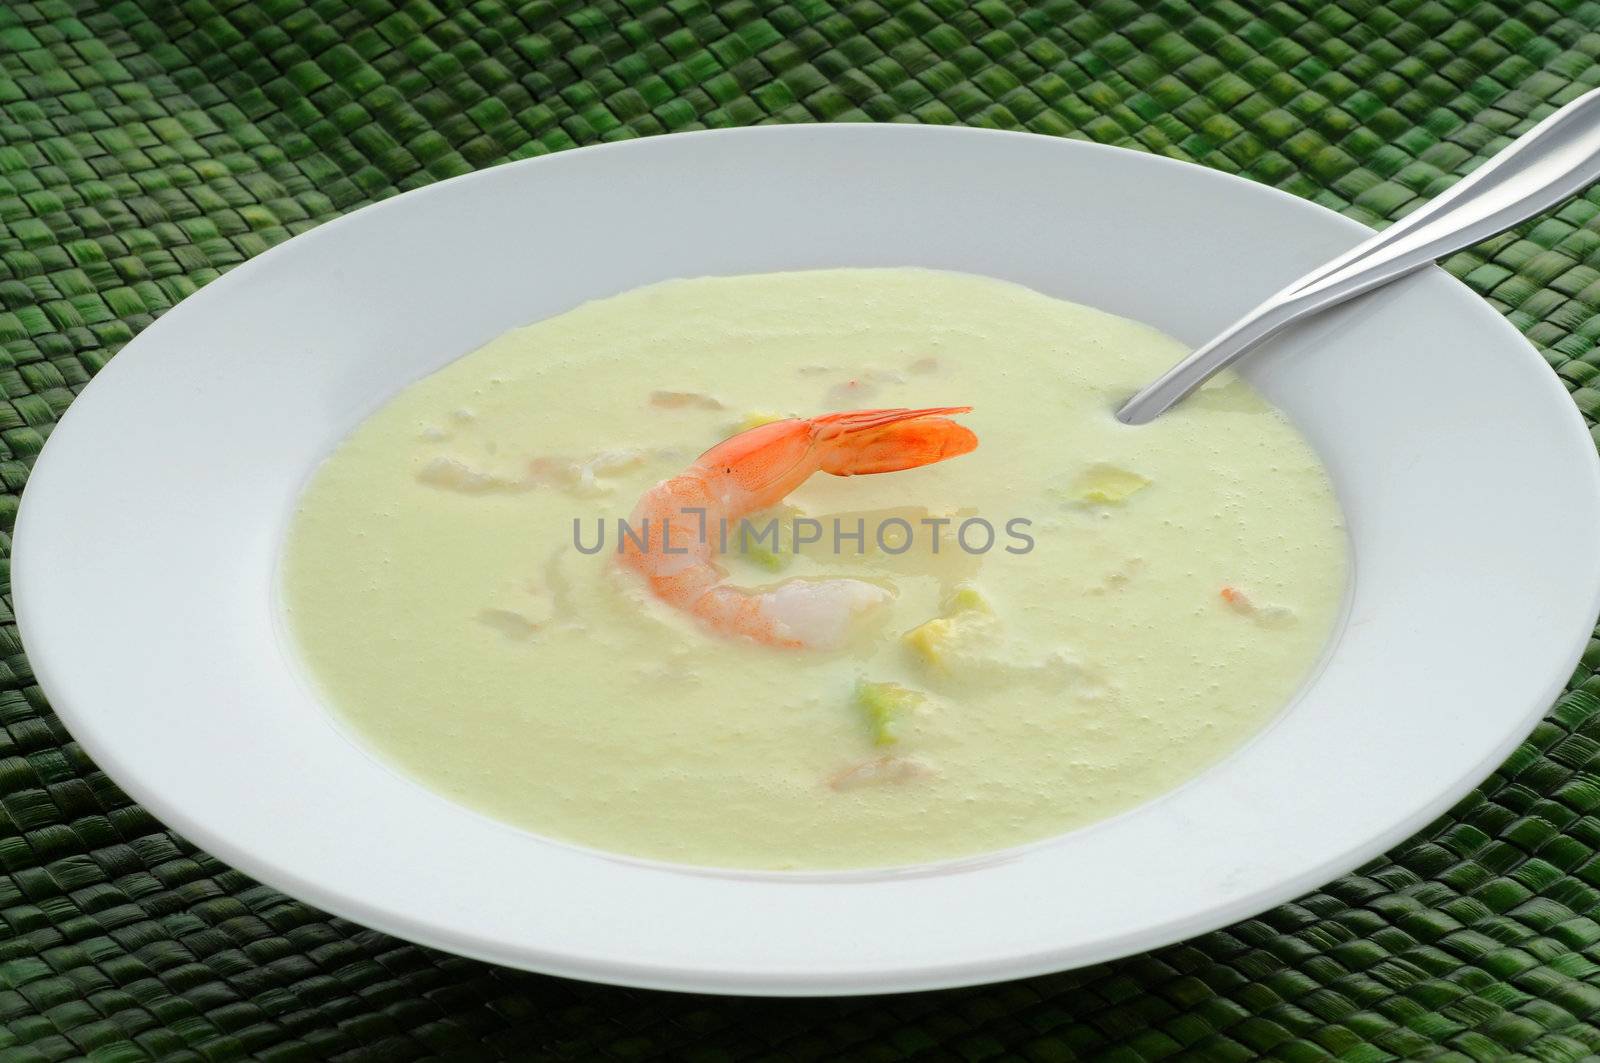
1182, 581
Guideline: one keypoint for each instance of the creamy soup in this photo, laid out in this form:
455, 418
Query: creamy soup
1142, 602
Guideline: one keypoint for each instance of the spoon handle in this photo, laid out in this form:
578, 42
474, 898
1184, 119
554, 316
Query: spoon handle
1555, 159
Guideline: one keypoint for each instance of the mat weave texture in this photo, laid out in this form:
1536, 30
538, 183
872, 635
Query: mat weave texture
148, 145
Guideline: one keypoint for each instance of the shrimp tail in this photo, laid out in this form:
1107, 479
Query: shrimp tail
864, 442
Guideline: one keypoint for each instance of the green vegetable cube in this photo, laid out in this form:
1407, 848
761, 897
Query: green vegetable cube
886, 707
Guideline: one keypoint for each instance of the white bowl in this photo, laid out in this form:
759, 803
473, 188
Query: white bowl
147, 541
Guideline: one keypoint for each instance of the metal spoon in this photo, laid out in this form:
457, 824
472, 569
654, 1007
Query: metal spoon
1555, 159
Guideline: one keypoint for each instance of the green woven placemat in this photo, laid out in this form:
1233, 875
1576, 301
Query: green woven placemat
147, 146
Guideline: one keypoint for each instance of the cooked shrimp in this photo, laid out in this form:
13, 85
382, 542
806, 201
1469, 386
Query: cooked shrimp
673, 524
885, 769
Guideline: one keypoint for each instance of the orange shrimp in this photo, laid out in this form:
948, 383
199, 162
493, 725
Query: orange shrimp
674, 520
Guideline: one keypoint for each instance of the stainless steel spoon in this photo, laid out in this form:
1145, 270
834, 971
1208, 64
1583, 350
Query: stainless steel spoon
1555, 159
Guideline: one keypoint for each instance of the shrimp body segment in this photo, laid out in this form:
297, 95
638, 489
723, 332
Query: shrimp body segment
676, 523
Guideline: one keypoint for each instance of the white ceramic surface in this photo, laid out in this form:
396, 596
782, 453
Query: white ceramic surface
146, 546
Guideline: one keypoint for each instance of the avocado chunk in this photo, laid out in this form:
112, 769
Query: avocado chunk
1107, 485
966, 623
886, 707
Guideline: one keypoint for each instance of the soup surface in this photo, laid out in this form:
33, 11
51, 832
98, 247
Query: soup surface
1149, 599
